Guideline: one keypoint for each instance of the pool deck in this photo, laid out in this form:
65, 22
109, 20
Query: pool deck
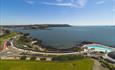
108, 47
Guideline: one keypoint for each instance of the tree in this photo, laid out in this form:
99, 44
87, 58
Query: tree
7, 31
33, 58
23, 58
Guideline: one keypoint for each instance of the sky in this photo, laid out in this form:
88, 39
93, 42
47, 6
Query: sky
73, 12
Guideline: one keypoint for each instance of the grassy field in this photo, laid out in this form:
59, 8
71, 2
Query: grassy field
84, 64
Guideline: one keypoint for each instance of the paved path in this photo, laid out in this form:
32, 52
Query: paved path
43, 53
9, 52
13, 50
97, 66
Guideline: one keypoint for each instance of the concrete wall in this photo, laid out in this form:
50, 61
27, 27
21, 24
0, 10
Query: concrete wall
27, 58
10, 58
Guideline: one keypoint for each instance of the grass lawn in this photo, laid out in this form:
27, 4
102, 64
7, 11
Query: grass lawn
84, 64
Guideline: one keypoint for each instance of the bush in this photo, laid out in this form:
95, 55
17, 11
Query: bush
43, 59
67, 57
78, 49
33, 58
23, 58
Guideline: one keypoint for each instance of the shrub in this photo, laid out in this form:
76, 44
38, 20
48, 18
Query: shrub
23, 58
33, 58
67, 57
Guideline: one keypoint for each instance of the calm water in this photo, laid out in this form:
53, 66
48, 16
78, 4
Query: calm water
66, 37
100, 48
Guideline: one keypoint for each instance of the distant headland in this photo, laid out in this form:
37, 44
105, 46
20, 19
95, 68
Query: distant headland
36, 26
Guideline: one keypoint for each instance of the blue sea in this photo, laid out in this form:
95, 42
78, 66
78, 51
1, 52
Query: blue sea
67, 37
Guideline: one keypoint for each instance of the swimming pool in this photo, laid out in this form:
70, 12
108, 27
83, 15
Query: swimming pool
100, 48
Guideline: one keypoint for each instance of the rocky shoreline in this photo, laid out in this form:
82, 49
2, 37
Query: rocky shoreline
37, 45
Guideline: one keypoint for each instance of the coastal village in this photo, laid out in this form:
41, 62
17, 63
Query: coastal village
20, 46
57, 34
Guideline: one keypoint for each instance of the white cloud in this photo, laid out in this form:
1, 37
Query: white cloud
100, 2
31, 2
71, 3
82, 3
61, 4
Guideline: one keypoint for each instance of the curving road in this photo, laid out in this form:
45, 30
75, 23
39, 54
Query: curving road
43, 53
12, 50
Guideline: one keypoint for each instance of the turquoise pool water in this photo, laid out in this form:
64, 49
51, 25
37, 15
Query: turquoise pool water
99, 48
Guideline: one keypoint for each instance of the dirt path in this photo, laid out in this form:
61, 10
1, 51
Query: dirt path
97, 66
